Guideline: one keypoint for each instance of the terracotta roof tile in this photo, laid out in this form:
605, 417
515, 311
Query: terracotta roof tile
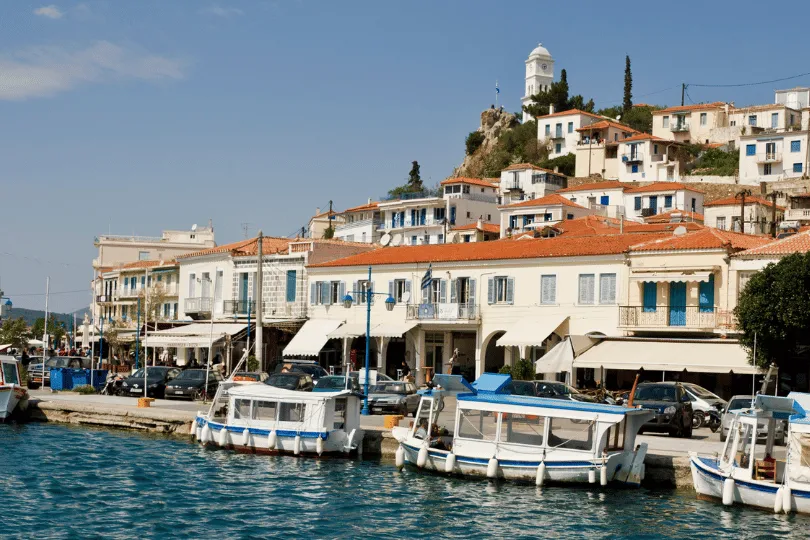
523, 166
661, 186
600, 225
568, 113
594, 186
602, 124
325, 214
694, 107
147, 264
734, 201
486, 227
665, 217
706, 238
270, 244
548, 200
362, 207
797, 243
644, 137
471, 181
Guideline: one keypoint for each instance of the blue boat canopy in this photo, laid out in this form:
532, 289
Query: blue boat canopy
443, 383
547, 403
492, 383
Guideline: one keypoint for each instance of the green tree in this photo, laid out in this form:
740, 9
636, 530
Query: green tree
414, 178
558, 96
578, 102
56, 329
15, 332
565, 164
627, 103
640, 117
611, 112
474, 141
774, 309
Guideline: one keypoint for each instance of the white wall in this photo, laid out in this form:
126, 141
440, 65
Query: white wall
681, 200
569, 123
752, 171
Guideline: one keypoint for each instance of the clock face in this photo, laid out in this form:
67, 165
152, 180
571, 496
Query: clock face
543, 67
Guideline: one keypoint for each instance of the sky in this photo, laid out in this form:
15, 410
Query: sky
135, 117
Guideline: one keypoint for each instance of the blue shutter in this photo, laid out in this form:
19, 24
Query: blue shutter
472, 301
634, 168
637, 203
326, 296
291, 282
490, 291
650, 296
797, 167
795, 146
510, 290
668, 201
604, 200
706, 290
750, 149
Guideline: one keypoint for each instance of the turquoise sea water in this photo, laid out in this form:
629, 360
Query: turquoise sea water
67, 482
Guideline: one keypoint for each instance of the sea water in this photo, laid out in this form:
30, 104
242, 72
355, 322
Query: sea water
60, 481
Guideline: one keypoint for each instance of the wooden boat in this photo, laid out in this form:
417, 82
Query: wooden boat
12, 393
500, 435
751, 471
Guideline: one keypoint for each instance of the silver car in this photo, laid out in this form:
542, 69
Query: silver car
394, 397
740, 403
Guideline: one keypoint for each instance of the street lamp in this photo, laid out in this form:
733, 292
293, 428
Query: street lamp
5, 308
390, 302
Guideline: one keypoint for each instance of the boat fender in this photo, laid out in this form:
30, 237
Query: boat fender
728, 491
198, 432
450, 463
492, 468
421, 458
643, 472
297, 445
194, 426
349, 441
246, 438
223, 437
400, 458
272, 439
787, 499
603, 480
319, 445
591, 476
541, 474
777, 501
205, 436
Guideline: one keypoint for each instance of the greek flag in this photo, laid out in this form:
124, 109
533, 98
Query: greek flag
497, 90
428, 278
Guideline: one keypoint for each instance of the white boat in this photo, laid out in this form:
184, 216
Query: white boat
258, 418
12, 393
500, 435
751, 471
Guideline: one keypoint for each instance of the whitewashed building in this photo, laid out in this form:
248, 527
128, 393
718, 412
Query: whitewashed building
598, 148
604, 198
535, 214
539, 75
559, 130
644, 201
698, 124
647, 158
768, 157
524, 181
360, 224
758, 216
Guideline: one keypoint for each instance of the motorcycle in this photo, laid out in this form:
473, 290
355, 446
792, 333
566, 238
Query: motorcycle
713, 420
113, 385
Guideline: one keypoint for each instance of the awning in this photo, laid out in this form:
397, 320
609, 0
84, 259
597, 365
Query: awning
694, 356
348, 330
192, 335
311, 338
671, 276
4, 348
531, 331
179, 341
392, 329
560, 358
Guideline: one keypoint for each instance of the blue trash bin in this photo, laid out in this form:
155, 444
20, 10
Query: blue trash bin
99, 378
81, 377
61, 379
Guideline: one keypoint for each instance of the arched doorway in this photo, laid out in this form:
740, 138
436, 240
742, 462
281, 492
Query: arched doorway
357, 353
493, 355
394, 356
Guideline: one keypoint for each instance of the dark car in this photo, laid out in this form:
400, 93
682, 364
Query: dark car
291, 380
522, 388
310, 367
671, 405
336, 383
156, 379
190, 384
560, 390
35, 370
393, 397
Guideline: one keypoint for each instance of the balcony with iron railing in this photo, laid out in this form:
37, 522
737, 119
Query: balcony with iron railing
769, 157
679, 127
197, 305
674, 318
359, 224
513, 185
480, 197
441, 312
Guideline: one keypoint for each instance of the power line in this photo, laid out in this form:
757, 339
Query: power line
750, 84
34, 259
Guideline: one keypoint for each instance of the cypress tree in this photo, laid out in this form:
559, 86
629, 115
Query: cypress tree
627, 104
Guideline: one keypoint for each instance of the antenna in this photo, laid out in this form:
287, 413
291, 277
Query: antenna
246, 227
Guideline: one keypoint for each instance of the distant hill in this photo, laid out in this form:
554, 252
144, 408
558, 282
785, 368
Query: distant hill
31, 315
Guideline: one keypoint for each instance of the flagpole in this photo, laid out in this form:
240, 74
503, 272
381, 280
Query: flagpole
497, 91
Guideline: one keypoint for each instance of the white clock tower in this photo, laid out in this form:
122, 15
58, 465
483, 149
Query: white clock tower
539, 74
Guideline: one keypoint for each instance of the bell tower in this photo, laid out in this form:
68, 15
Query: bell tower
539, 74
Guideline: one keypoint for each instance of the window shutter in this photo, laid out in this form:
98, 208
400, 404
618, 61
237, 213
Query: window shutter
443, 291
607, 288
454, 291
510, 290
326, 296
490, 291
391, 289
586, 286
471, 301
341, 291
408, 290
313, 298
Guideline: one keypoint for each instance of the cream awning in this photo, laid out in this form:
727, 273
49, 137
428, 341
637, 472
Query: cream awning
179, 341
351, 330
694, 356
192, 335
560, 358
671, 276
531, 331
392, 329
311, 338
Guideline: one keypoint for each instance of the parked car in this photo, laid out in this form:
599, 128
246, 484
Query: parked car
336, 383
310, 367
35, 370
394, 397
703, 401
560, 390
742, 402
291, 380
381, 377
522, 388
671, 405
250, 376
190, 384
156, 379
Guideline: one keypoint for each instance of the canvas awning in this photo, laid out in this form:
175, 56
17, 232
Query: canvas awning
179, 341
669, 276
192, 335
311, 338
348, 330
531, 331
4, 348
560, 358
694, 356
392, 329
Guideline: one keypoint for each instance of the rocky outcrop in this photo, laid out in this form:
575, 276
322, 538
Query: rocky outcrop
493, 123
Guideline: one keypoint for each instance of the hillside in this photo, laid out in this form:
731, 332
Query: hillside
31, 315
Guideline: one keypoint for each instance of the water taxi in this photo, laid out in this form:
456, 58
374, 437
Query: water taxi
12, 393
257, 418
500, 435
750, 471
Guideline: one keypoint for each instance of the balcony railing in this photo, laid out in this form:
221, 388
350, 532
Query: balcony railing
796, 214
633, 157
667, 316
441, 312
514, 185
198, 305
679, 127
374, 223
473, 197
769, 157
239, 307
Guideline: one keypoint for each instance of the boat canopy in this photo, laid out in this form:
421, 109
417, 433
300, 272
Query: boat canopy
264, 391
548, 403
447, 384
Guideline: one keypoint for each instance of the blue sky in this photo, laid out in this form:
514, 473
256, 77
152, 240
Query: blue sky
133, 117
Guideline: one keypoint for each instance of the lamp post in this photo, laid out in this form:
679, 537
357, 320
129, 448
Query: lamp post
389, 305
5, 307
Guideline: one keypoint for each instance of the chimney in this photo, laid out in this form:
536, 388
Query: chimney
369, 200
551, 109
317, 210
480, 224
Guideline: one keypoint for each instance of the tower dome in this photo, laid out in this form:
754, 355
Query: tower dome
540, 52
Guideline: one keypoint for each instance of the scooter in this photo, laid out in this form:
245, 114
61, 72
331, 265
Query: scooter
113, 385
713, 420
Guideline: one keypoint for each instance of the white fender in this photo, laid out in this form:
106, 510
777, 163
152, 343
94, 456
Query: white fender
222, 440
198, 432
541, 474
246, 437
492, 468
777, 501
603, 475
728, 491
297, 445
400, 458
272, 439
421, 458
787, 499
450, 463
319, 445
591, 476
205, 435
193, 430
349, 441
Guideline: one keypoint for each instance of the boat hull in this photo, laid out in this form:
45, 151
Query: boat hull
10, 398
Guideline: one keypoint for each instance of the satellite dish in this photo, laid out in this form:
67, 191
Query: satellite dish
680, 230
386, 239
396, 240
406, 297
194, 227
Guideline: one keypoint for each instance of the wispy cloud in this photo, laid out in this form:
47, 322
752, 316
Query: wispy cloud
46, 71
52, 12
219, 11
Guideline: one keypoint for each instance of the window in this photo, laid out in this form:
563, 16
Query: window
797, 167
667, 201
752, 120
587, 283
501, 290
655, 149
703, 119
291, 412
706, 295
607, 288
548, 130
637, 203
546, 217
522, 429
264, 410
397, 289
570, 127
143, 255
206, 284
558, 148
750, 149
721, 223
733, 123
694, 204
634, 168
548, 289
291, 283
124, 311
335, 295
558, 130
440, 239
327, 292
241, 409
174, 311
439, 213
795, 146
570, 216
478, 425
413, 240
571, 434
766, 169
513, 222
665, 121
340, 413
604, 200
10, 374
774, 120
166, 310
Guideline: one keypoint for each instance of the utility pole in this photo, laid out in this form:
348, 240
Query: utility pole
683, 91
742, 194
773, 195
259, 301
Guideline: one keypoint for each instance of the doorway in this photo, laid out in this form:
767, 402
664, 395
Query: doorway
434, 353
677, 304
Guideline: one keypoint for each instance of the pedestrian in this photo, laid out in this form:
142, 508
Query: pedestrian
405, 369
25, 359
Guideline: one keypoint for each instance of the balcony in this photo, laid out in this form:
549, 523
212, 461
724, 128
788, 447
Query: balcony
647, 212
769, 157
633, 157
679, 127
375, 224
480, 197
239, 307
557, 135
195, 307
797, 214
441, 312
672, 318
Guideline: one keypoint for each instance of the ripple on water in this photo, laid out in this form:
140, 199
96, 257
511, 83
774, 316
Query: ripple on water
67, 482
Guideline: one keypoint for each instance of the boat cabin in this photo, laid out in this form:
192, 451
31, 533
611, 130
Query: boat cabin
10, 372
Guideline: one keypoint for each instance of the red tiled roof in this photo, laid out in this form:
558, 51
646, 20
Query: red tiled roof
486, 227
493, 180
490, 251
146, 264
706, 238
522, 166
665, 217
797, 243
734, 201
594, 186
661, 186
694, 107
600, 225
270, 244
568, 113
325, 214
643, 137
607, 123
548, 200
471, 181
369, 206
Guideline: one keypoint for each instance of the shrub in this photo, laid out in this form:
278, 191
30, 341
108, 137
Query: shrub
474, 141
566, 164
252, 364
84, 389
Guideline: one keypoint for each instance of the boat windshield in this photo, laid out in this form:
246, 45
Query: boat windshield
740, 403
10, 373
655, 393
